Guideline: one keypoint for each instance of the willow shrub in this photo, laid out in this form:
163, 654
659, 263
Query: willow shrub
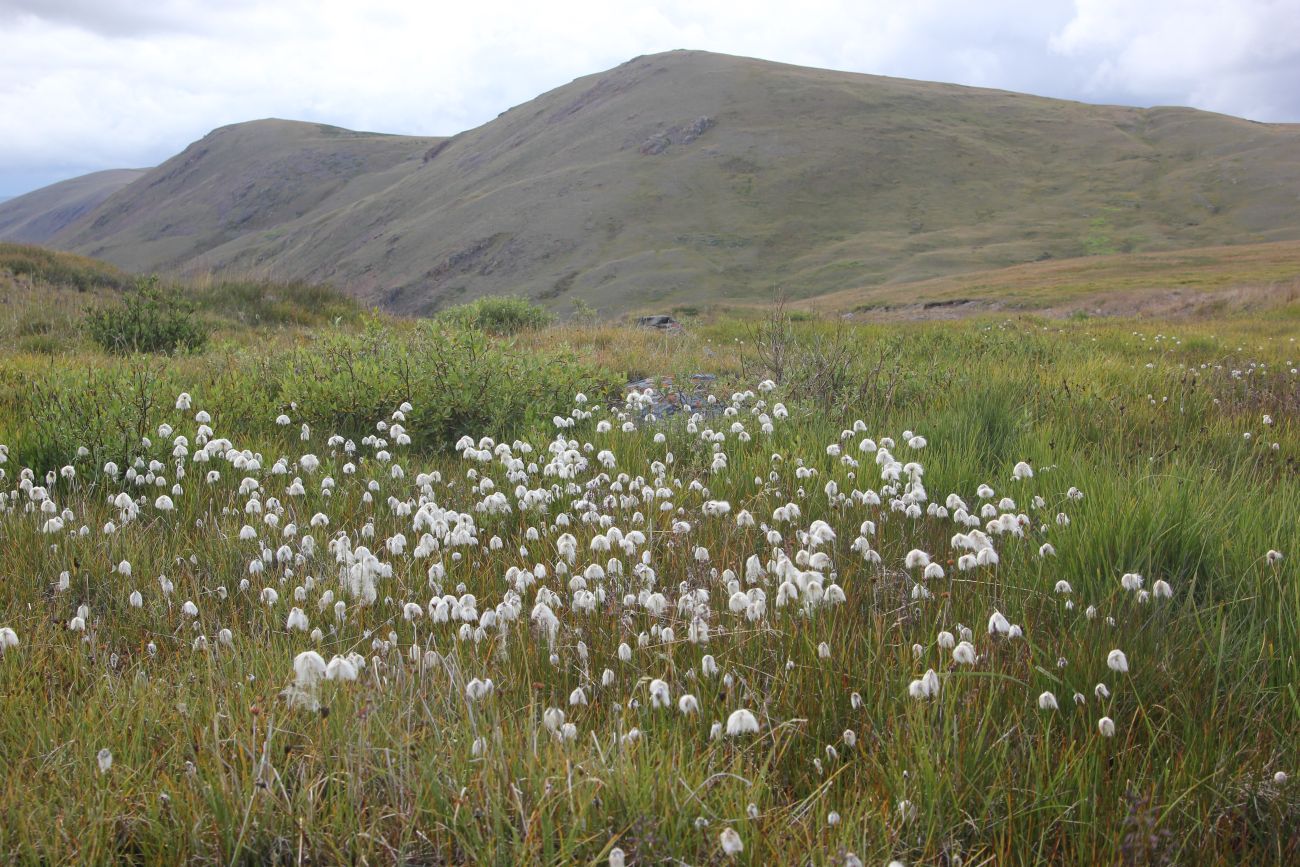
150, 318
458, 380
501, 316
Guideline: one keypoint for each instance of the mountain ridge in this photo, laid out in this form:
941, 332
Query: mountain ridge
39, 215
688, 175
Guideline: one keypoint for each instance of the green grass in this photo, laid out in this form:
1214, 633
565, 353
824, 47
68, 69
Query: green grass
39, 264
211, 764
46, 296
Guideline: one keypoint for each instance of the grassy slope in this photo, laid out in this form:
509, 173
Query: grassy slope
45, 296
38, 216
247, 177
1198, 280
810, 181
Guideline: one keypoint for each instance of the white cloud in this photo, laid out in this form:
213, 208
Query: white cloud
1240, 57
88, 84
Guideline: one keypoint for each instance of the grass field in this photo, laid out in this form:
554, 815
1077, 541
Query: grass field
1198, 282
391, 591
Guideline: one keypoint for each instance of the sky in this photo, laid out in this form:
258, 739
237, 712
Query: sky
95, 84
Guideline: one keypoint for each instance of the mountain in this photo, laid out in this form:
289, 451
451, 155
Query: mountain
690, 176
246, 179
36, 217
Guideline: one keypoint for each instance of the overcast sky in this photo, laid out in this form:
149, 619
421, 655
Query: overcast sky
94, 84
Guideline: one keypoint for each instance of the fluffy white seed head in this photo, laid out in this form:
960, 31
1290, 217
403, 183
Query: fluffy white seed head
741, 722
1117, 661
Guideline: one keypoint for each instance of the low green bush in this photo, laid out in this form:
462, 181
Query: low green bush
48, 412
502, 315
457, 379
150, 318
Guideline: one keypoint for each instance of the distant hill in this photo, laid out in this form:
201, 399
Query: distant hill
38, 216
249, 178
689, 176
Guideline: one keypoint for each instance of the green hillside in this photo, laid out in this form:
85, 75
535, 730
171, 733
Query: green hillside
688, 177
249, 177
36, 217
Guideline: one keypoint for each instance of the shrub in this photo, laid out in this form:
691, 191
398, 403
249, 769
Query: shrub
584, 313
48, 411
501, 315
151, 318
459, 381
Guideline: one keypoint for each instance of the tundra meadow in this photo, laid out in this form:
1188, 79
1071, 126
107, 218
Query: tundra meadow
368, 591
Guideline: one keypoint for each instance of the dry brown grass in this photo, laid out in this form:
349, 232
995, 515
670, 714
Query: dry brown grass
1206, 279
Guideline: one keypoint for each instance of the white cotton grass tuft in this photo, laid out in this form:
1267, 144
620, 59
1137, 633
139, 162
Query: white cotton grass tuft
742, 722
1117, 661
1106, 727
479, 689
964, 653
924, 687
308, 668
730, 842
660, 694
8, 638
341, 668
553, 719
104, 758
916, 559
1047, 701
